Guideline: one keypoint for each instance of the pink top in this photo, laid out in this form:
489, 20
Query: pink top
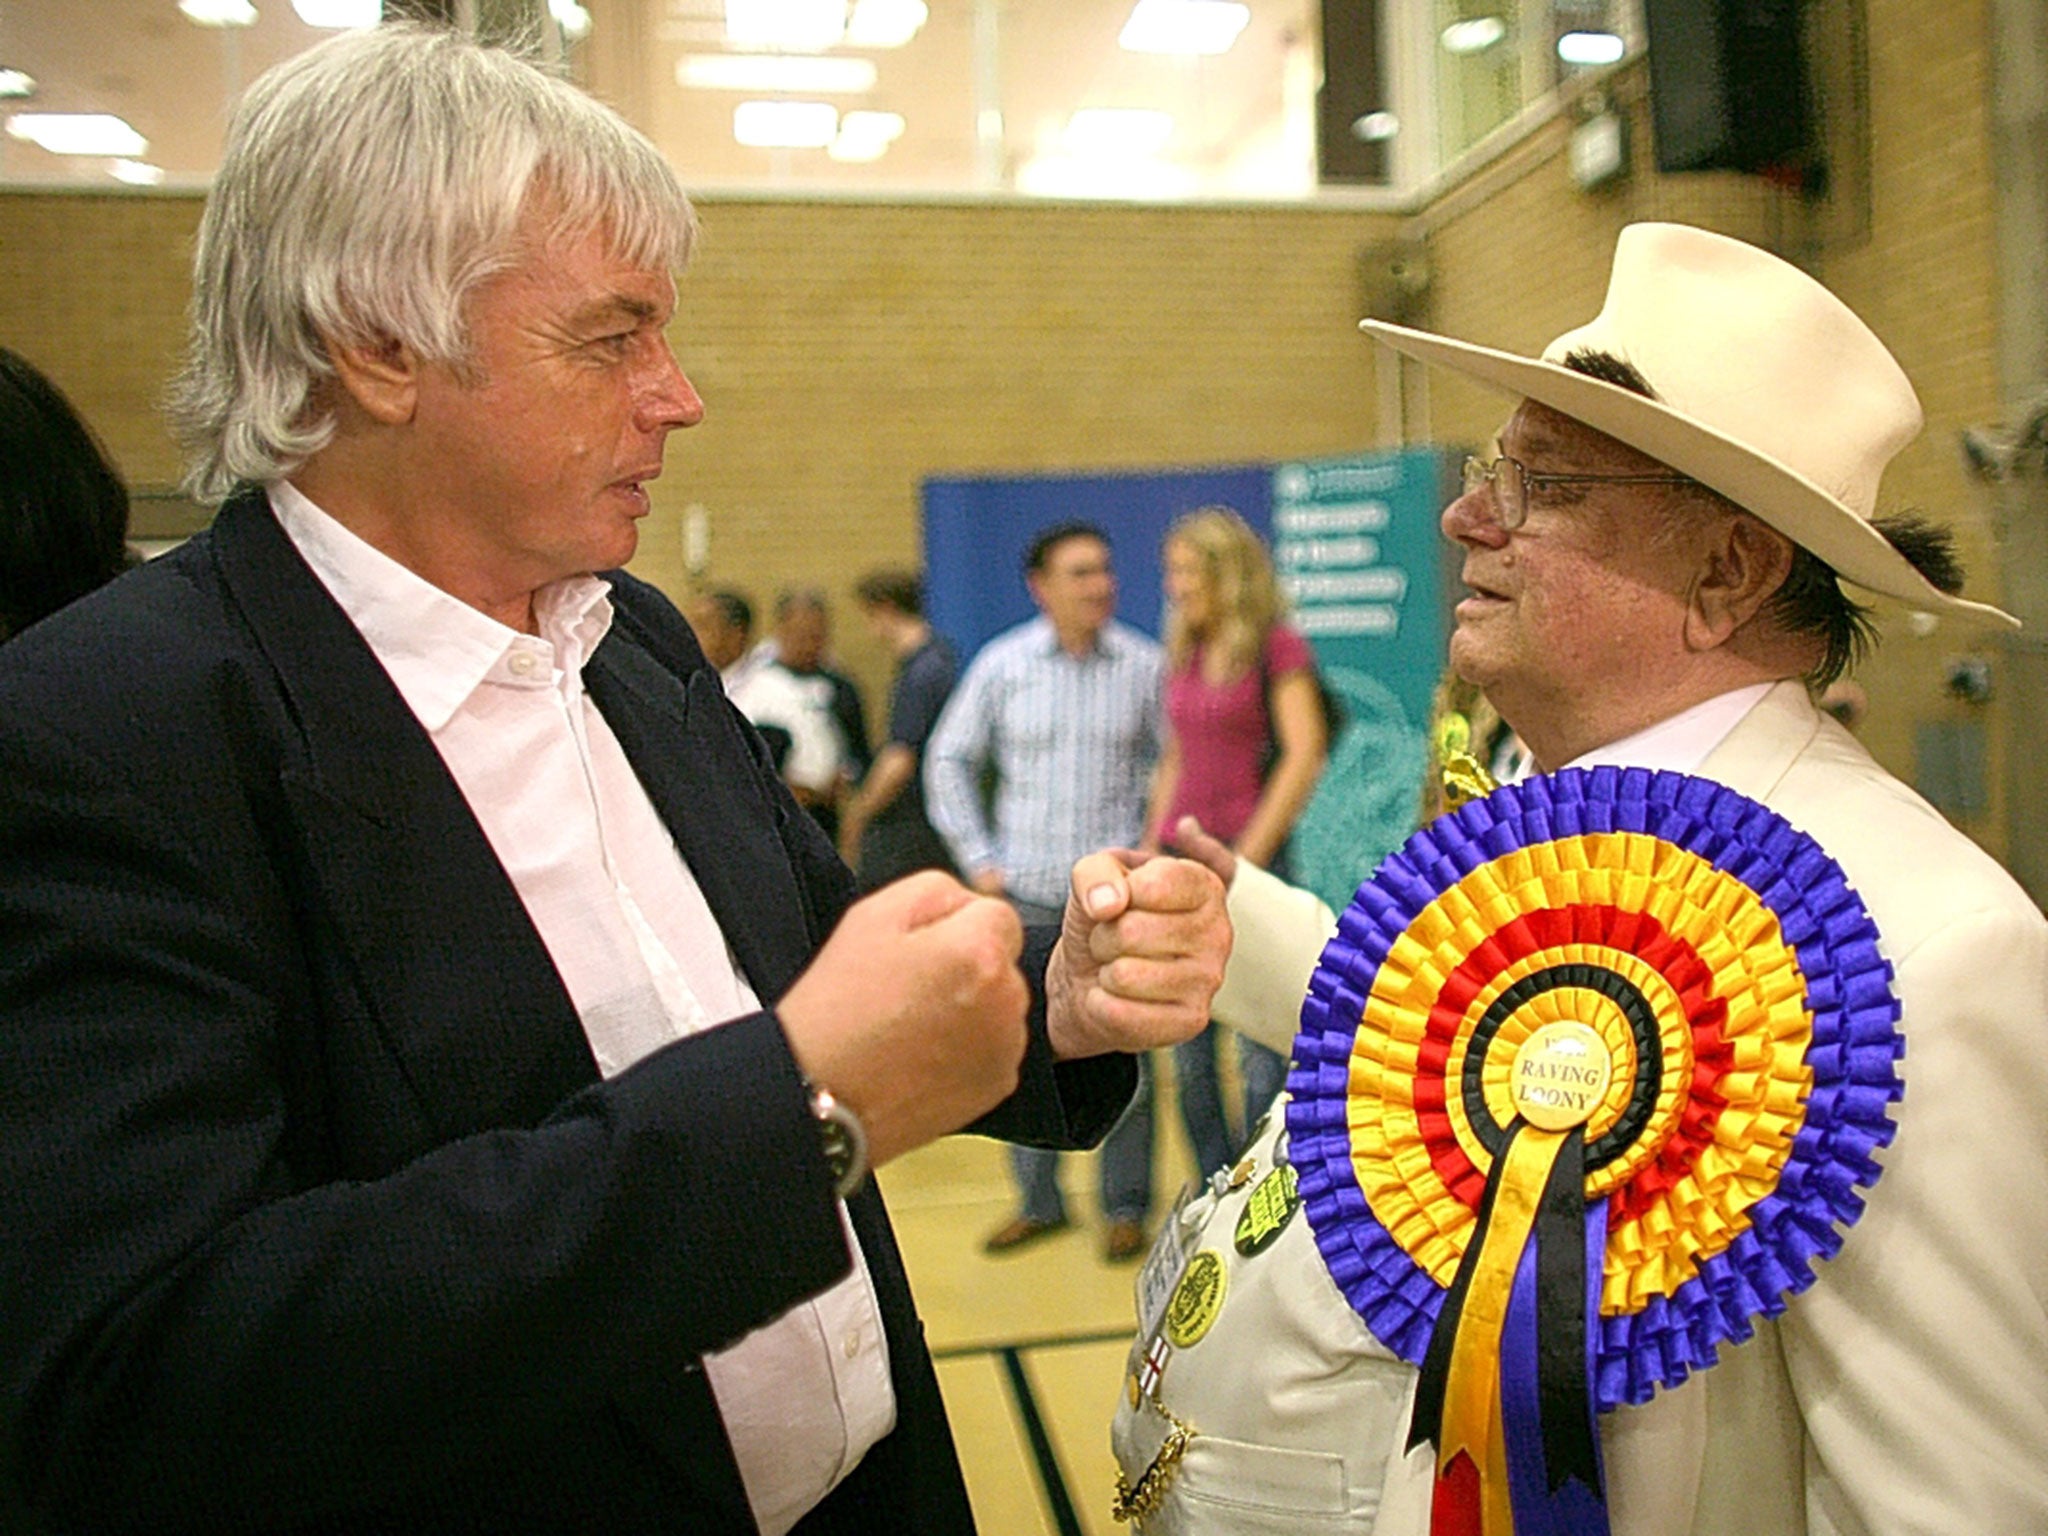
1223, 732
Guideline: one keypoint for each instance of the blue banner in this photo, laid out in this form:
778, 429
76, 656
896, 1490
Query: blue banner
1358, 550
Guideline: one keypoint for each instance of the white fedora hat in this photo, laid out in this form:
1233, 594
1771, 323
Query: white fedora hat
1768, 389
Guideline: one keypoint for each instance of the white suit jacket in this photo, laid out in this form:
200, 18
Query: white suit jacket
1904, 1394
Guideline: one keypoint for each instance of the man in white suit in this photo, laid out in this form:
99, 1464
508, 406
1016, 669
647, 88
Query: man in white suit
1653, 553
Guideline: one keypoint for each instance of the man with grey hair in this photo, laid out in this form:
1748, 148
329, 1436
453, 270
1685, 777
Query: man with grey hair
441, 1060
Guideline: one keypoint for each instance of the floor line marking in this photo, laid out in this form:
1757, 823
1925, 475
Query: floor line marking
1050, 1478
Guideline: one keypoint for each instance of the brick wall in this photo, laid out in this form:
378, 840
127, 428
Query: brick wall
846, 350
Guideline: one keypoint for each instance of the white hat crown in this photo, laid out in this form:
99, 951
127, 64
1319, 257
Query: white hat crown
1765, 387
1753, 348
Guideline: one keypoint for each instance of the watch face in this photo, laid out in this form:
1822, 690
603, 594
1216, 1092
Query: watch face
838, 1147
841, 1139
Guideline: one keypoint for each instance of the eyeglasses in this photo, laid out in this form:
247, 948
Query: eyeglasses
1511, 481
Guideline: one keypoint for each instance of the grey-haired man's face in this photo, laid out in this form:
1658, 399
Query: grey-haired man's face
532, 461
1587, 597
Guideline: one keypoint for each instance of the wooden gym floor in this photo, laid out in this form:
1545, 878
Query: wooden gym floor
1030, 1347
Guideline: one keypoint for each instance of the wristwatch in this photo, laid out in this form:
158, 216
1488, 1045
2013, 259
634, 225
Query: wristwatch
844, 1141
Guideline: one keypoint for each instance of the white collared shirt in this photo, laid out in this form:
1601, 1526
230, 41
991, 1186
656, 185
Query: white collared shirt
629, 931
1682, 742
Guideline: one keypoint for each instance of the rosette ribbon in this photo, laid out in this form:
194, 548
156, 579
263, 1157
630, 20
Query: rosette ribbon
1590, 1076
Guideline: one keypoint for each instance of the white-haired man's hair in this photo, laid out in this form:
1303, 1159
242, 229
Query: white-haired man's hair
368, 185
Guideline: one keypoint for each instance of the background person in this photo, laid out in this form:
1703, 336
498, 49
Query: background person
1655, 580
434, 1103
1063, 710
884, 832
803, 638
1245, 743
723, 621
63, 508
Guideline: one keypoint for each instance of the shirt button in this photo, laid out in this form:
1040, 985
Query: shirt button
523, 663
851, 1344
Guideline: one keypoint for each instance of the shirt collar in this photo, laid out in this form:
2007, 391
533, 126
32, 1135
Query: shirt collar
1682, 742
1107, 638
436, 647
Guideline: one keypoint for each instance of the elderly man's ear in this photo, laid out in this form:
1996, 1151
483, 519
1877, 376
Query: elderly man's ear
380, 374
1742, 562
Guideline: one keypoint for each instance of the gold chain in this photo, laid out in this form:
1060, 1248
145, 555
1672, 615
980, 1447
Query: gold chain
1144, 1500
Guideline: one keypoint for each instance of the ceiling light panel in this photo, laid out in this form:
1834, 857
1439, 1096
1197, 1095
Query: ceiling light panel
1474, 36
572, 17
808, 74
885, 23
1124, 132
785, 124
339, 14
796, 26
1590, 48
1184, 26
866, 136
78, 133
16, 84
219, 13
137, 173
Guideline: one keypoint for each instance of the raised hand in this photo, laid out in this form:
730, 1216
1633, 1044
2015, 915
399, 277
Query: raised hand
1141, 953
913, 1012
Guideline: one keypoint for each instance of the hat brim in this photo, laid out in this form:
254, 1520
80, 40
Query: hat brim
1759, 484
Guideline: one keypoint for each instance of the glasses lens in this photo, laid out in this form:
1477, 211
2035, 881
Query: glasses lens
1477, 473
1509, 490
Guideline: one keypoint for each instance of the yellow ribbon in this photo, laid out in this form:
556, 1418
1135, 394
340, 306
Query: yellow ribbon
1472, 1411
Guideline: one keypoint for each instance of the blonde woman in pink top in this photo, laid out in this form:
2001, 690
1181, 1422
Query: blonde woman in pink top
1245, 743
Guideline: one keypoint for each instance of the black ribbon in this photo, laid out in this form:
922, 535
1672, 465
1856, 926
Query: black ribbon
1559, 1232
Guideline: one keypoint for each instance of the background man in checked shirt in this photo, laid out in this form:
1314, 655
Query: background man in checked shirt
1064, 709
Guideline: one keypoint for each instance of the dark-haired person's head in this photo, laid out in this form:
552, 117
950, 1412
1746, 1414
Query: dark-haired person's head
724, 622
902, 591
63, 509
1040, 551
1072, 581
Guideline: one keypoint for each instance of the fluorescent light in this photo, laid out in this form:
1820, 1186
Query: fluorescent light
15, 83
1093, 176
1590, 48
219, 13
78, 133
757, 72
1116, 131
1474, 36
571, 17
799, 26
1375, 127
865, 136
1184, 26
338, 14
885, 23
785, 124
137, 173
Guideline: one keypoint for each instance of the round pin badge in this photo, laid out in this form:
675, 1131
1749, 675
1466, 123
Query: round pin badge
1267, 1210
1197, 1299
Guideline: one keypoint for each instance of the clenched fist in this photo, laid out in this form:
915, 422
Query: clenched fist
913, 1012
1141, 952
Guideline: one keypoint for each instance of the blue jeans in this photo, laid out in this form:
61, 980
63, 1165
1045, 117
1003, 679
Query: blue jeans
1262, 1073
1126, 1151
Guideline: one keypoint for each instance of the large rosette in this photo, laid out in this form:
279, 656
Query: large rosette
1627, 1014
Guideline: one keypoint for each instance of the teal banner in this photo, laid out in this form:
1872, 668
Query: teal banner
1360, 556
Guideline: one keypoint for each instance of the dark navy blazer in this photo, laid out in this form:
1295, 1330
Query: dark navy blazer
314, 1212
